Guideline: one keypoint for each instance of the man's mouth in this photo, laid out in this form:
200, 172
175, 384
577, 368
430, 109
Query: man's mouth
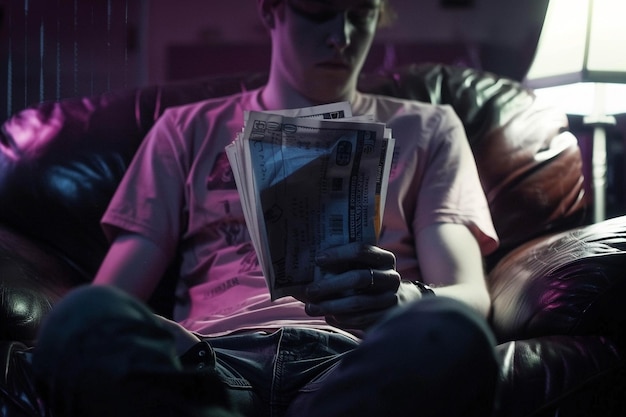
336, 65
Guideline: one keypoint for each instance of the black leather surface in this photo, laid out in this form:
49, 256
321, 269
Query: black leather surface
561, 376
569, 283
18, 395
32, 279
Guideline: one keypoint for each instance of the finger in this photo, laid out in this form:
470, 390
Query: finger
336, 285
355, 255
383, 281
370, 281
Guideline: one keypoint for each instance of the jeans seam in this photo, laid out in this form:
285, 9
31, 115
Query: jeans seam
277, 372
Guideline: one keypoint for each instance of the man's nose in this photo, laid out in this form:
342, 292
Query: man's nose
341, 31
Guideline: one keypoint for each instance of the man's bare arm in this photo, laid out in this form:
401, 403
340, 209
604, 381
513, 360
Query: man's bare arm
134, 263
451, 261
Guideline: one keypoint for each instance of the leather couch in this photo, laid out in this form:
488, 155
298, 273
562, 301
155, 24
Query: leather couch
557, 283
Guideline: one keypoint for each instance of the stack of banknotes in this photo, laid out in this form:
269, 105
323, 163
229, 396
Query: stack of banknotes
309, 179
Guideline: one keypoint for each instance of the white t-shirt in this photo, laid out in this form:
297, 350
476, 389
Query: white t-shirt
180, 193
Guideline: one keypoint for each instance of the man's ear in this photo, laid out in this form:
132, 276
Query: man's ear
266, 10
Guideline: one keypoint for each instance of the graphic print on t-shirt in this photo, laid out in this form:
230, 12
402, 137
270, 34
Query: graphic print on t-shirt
221, 177
231, 227
249, 260
224, 201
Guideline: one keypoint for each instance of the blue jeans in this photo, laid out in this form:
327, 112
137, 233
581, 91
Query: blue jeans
434, 357
265, 371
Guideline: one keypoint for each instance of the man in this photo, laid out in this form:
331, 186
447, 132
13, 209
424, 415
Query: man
370, 337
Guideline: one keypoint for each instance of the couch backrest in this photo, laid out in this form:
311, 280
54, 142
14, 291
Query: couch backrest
60, 162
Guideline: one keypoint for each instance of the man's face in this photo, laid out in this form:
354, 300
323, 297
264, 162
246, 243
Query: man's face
320, 45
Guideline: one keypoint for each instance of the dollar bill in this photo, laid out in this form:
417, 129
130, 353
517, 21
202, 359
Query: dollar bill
309, 180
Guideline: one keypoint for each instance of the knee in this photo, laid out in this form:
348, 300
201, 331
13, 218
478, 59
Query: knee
88, 314
440, 330
436, 352
84, 307
98, 334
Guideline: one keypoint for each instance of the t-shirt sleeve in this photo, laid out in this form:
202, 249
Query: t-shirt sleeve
451, 191
150, 198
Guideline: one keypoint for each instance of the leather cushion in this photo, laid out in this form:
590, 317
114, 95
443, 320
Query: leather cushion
571, 282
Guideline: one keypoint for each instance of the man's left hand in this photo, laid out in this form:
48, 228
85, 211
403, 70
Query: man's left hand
359, 285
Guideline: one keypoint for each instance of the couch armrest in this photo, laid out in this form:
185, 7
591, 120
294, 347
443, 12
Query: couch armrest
569, 283
560, 376
32, 280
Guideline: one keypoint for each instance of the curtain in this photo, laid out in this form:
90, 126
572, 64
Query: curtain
53, 49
